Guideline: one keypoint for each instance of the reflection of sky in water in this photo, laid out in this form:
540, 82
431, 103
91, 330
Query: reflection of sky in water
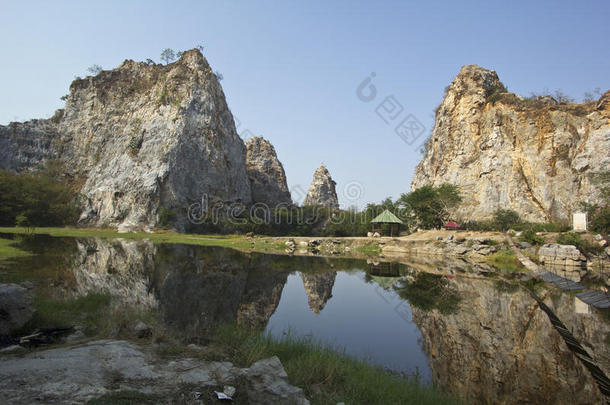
362, 318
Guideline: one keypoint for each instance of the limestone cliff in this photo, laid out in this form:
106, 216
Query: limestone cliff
266, 174
535, 156
138, 138
322, 190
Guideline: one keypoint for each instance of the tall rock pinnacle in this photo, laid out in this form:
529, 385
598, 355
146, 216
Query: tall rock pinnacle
322, 190
266, 174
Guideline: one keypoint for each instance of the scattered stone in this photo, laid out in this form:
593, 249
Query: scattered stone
460, 250
450, 237
369, 234
303, 244
267, 384
603, 243
15, 307
142, 330
229, 390
524, 245
376, 235
598, 237
439, 238
75, 337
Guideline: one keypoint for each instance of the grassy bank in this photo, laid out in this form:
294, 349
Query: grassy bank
505, 260
327, 376
231, 241
7, 250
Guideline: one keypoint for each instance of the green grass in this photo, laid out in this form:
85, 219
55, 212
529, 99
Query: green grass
370, 249
327, 376
239, 242
6, 250
505, 260
88, 311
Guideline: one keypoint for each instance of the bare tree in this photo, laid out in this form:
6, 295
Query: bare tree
168, 55
150, 62
179, 54
219, 75
94, 69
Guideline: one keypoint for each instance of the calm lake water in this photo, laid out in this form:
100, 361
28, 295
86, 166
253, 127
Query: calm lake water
456, 325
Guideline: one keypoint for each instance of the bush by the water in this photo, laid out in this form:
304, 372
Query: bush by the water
586, 247
36, 199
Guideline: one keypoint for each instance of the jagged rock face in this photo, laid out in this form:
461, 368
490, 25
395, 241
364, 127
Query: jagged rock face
319, 289
266, 174
145, 136
501, 348
28, 145
537, 157
322, 190
138, 138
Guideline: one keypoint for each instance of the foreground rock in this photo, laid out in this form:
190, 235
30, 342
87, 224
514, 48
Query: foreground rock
15, 307
322, 190
76, 374
537, 157
266, 174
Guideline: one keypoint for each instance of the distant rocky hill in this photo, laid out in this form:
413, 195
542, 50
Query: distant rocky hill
322, 190
535, 156
266, 174
142, 138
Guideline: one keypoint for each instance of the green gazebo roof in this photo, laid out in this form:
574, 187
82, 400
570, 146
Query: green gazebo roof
386, 217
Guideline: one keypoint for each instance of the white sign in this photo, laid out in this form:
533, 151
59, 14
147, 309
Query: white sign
579, 222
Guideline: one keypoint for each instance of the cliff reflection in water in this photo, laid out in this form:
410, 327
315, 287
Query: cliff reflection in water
485, 339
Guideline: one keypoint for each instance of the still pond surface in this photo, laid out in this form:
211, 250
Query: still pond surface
457, 325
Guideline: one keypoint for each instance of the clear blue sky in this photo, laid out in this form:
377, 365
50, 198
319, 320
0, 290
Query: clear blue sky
291, 68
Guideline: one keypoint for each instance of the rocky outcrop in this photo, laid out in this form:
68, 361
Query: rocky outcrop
266, 174
319, 289
28, 145
81, 373
137, 139
16, 307
322, 190
563, 258
535, 156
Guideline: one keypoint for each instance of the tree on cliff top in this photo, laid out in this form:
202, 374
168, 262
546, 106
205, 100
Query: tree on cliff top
168, 55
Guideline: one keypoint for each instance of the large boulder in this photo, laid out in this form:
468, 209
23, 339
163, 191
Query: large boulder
564, 258
15, 307
268, 384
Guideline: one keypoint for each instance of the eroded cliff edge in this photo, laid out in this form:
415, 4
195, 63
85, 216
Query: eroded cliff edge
535, 156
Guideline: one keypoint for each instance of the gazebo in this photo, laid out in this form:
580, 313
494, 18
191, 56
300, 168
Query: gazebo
386, 217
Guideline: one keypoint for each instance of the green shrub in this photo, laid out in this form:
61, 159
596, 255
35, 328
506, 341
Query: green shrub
586, 247
530, 237
506, 219
36, 199
166, 216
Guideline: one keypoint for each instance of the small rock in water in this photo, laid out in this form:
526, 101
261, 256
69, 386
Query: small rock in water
229, 390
